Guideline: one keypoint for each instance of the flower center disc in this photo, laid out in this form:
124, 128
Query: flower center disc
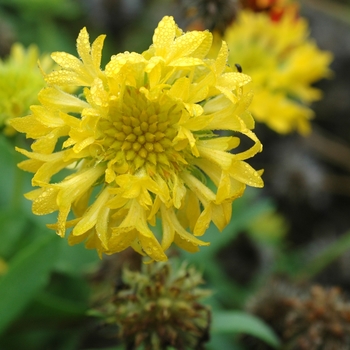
139, 132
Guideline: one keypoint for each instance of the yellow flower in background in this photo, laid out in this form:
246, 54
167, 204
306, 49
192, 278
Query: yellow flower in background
138, 142
283, 63
20, 82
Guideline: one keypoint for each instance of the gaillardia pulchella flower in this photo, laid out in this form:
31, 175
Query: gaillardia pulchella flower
138, 142
20, 83
283, 62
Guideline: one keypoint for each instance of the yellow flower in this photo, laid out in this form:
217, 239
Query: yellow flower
138, 141
283, 63
20, 82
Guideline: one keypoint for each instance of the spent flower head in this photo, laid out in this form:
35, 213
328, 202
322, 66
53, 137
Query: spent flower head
20, 83
160, 307
321, 321
138, 142
283, 62
305, 317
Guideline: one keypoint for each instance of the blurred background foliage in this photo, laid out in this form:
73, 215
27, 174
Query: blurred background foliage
296, 227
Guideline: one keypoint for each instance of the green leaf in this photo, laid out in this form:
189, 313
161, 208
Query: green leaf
75, 260
28, 272
231, 322
53, 306
223, 342
61, 8
324, 259
12, 227
7, 170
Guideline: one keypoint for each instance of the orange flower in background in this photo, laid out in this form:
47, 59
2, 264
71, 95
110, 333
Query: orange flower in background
274, 8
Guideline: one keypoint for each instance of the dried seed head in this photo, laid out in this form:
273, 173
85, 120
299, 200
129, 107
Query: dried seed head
159, 307
320, 321
306, 318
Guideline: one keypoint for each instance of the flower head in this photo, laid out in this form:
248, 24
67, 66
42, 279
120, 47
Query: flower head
160, 307
283, 63
138, 142
305, 317
20, 82
322, 319
274, 8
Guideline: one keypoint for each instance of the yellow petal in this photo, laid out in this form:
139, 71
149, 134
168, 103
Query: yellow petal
168, 232
48, 117
47, 170
67, 61
44, 200
91, 216
30, 125
151, 246
179, 191
186, 62
62, 219
229, 188
63, 78
96, 50
55, 98
203, 221
149, 243
221, 60
203, 192
164, 35
233, 80
180, 89
244, 173
181, 235
221, 158
73, 187
83, 48
47, 143
119, 241
103, 226
193, 43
